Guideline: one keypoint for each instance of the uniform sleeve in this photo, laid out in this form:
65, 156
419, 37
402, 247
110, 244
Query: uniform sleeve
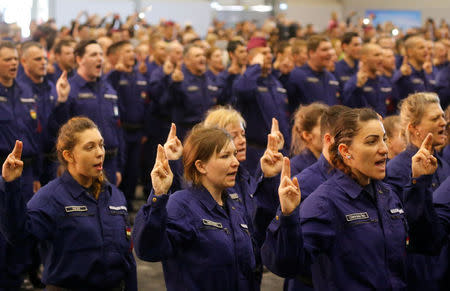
225, 83
293, 242
353, 96
160, 229
443, 87
158, 87
295, 94
245, 85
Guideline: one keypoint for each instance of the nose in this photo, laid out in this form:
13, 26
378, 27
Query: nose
235, 162
383, 149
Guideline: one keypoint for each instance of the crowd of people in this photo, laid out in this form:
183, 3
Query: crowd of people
323, 156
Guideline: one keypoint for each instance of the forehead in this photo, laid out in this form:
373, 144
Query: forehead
8, 52
356, 40
370, 127
229, 146
432, 110
33, 51
89, 135
93, 48
324, 45
195, 51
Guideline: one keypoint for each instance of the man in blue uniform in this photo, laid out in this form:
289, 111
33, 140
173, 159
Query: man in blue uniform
312, 82
387, 71
65, 60
367, 88
132, 90
348, 66
93, 97
443, 86
416, 72
260, 97
158, 51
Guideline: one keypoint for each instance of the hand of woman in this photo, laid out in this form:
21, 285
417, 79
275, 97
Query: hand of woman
13, 166
173, 146
289, 190
161, 175
423, 162
275, 130
272, 160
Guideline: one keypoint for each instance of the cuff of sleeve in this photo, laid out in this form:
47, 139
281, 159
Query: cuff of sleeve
424, 180
10, 187
288, 220
157, 201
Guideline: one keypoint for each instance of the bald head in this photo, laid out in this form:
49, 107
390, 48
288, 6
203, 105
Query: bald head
416, 50
371, 57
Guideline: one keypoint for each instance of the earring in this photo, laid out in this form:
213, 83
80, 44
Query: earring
417, 133
349, 157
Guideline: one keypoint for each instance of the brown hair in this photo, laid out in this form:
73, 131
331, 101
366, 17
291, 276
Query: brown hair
314, 42
68, 138
210, 52
201, 144
347, 127
390, 124
305, 119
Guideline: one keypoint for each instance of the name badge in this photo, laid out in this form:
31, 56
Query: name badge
396, 211
70, 209
123, 82
312, 80
110, 96
263, 89
117, 208
27, 100
243, 225
3, 99
367, 89
332, 82
192, 88
85, 95
357, 216
417, 81
116, 111
234, 196
213, 88
281, 90
386, 89
345, 78
141, 83
212, 223
433, 82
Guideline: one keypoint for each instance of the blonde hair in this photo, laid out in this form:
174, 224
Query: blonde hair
222, 116
413, 107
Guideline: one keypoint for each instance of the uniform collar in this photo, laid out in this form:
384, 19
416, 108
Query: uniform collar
324, 165
352, 188
27, 80
75, 189
81, 81
205, 197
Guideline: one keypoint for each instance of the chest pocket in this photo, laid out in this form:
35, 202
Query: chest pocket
6, 113
78, 229
119, 227
112, 101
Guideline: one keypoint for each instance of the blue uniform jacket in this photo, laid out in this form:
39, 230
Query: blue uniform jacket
259, 99
343, 72
98, 101
306, 86
132, 91
443, 86
302, 161
201, 245
225, 81
19, 121
418, 81
373, 94
313, 176
354, 242
83, 242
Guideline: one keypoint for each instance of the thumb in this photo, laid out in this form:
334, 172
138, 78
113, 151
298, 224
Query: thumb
405, 60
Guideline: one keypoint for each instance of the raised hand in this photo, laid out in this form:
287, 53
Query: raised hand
120, 66
13, 165
168, 67
423, 162
142, 67
177, 75
63, 88
428, 65
405, 68
173, 147
272, 160
362, 75
288, 191
275, 130
258, 59
161, 174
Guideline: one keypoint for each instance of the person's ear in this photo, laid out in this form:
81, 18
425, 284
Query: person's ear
68, 156
307, 136
200, 166
344, 151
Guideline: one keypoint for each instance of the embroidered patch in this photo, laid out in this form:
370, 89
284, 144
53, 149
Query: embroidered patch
141, 83
243, 225
117, 208
110, 96
396, 211
3, 99
76, 209
123, 82
345, 78
234, 196
332, 82
85, 95
357, 216
263, 89
367, 89
417, 81
312, 80
27, 100
281, 90
212, 223
213, 88
386, 89
192, 88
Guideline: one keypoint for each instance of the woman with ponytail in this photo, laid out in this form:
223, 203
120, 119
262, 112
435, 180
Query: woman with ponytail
80, 219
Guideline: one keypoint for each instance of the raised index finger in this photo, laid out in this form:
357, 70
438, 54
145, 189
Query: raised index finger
405, 60
285, 169
275, 126
172, 132
17, 151
160, 154
272, 143
428, 143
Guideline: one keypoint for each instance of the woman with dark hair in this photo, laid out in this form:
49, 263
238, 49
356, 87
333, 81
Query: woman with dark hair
352, 230
79, 219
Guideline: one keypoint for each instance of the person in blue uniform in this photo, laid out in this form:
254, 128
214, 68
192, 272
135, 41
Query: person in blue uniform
199, 233
92, 96
158, 49
65, 60
312, 82
443, 86
367, 88
261, 97
306, 142
214, 59
395, 136
132, 92
313, 176
420, 114
387, 70
79, 218
347, 67
352, 230
18, 120
416, 72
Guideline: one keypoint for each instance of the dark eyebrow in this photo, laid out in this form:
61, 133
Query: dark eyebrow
372, 135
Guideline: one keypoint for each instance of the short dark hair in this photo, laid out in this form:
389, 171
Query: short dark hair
115, 47
314, 42
7, 44
329, 118
348, 36
233, 45
80, 49
60, 44
29, 44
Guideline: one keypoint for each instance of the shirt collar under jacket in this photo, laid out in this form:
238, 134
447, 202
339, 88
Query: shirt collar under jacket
75, 188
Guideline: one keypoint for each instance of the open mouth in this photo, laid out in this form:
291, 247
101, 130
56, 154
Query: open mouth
232, 174
98, 67
381, 163
98, 166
